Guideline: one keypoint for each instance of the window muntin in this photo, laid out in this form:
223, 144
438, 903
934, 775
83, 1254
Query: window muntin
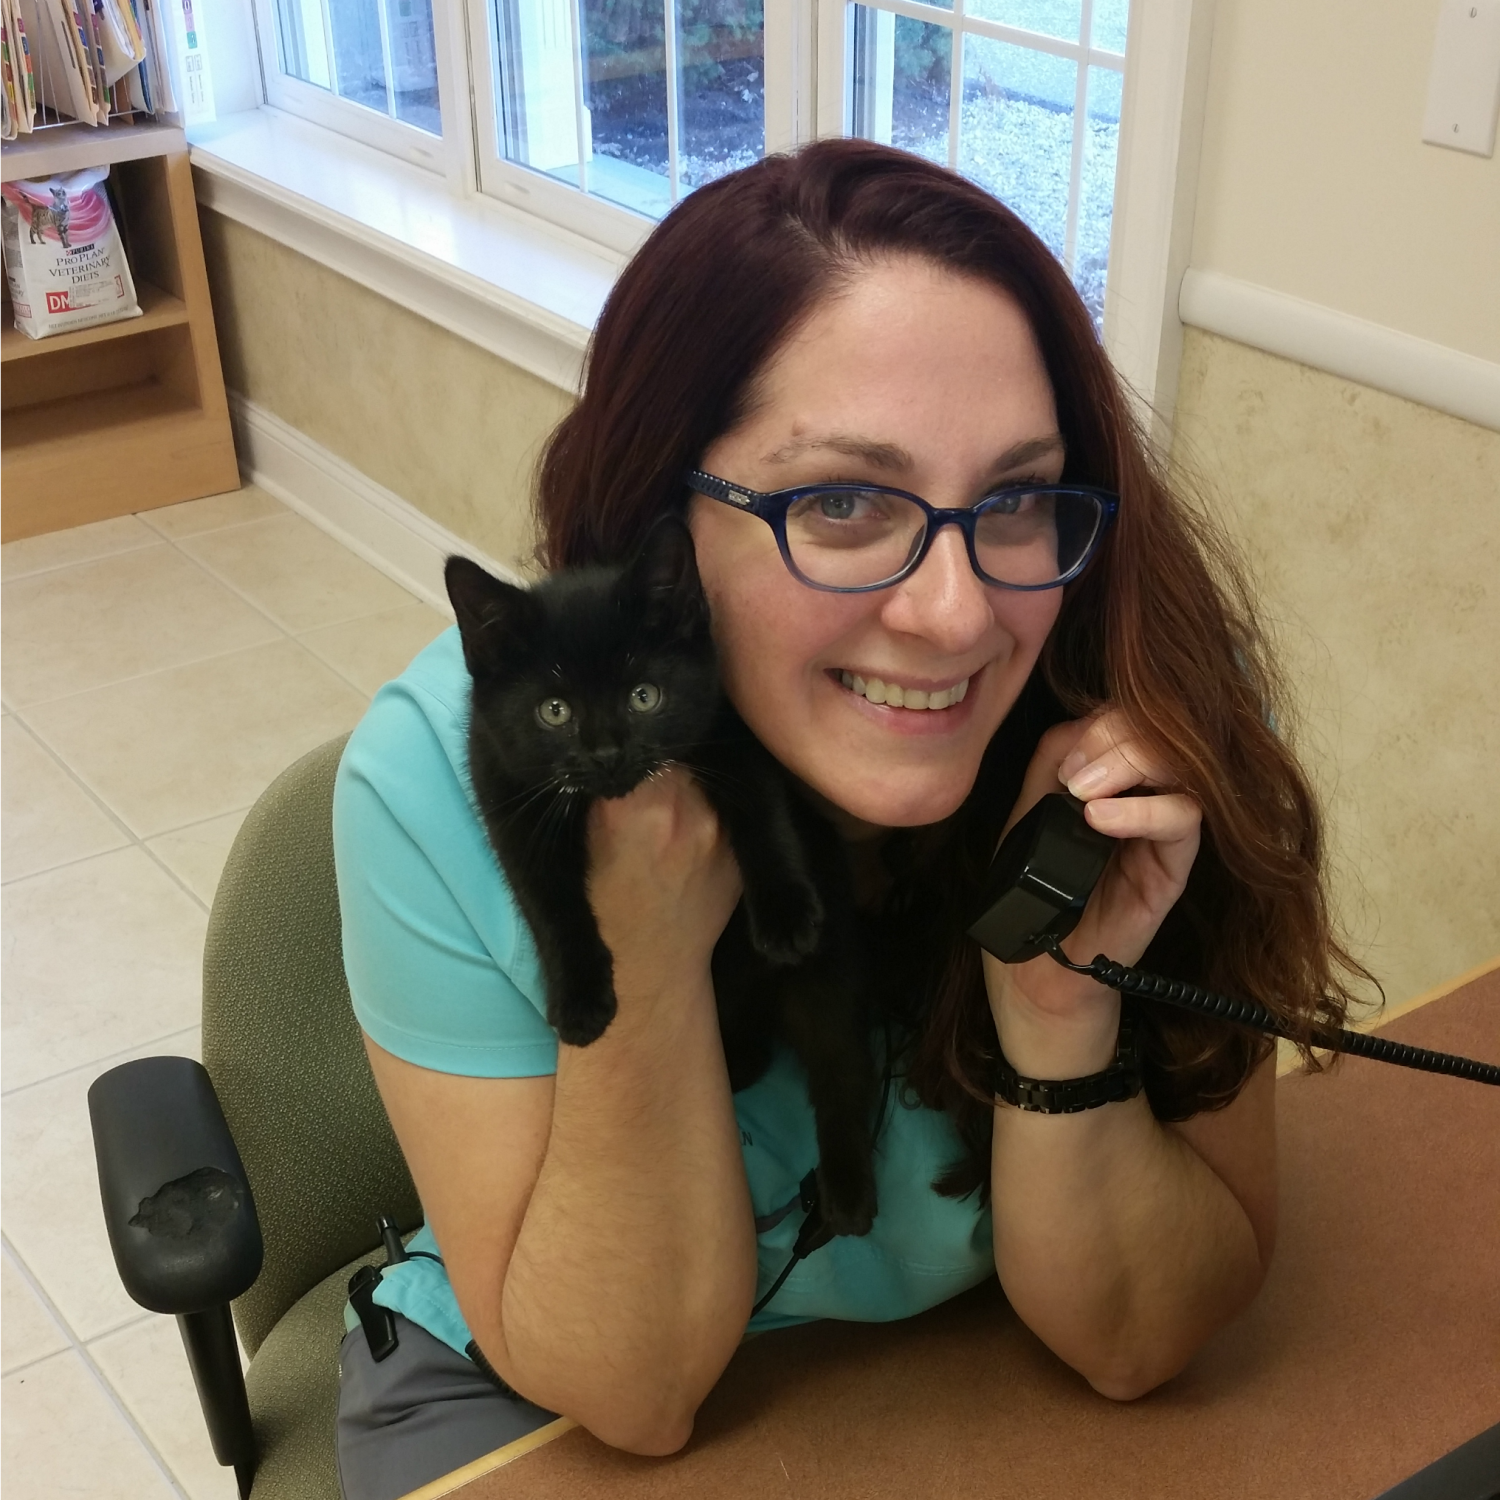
1035, 118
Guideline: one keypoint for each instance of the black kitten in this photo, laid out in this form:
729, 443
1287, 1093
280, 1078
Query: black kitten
583, 686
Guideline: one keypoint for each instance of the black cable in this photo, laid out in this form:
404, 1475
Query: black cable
813, 1235
1178, 992
786, 1271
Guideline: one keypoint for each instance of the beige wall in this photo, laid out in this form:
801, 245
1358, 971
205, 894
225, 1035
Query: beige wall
1372, 522
1315, 180
1374, 527
446, 426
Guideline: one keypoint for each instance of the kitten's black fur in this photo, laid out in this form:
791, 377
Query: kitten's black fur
790, 963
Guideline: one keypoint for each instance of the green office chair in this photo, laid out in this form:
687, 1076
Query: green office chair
275, 1212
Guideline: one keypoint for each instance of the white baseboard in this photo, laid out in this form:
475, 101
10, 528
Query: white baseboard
1462, 385
388, 532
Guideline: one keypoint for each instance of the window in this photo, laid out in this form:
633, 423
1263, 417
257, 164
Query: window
600, 114
377, 54
1035, 117
368, 68
633, 101
590, 105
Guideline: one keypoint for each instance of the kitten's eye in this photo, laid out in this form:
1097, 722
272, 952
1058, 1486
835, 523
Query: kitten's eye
645, 699
553, 712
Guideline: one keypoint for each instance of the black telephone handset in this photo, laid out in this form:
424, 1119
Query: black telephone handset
1036, 890
1040, 880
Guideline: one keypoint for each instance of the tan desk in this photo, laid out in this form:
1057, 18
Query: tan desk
1373, 1349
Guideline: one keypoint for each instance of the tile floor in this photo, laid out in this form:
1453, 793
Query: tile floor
159, 671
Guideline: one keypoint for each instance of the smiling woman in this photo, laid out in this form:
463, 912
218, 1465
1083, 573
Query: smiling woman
884, 413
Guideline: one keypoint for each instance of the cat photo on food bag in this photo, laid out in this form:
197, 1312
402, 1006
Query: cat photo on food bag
57, 215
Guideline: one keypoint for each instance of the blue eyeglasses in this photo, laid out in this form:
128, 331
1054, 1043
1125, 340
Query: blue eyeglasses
850, 538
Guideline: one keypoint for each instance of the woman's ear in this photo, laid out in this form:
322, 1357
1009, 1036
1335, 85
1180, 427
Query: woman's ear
491, 614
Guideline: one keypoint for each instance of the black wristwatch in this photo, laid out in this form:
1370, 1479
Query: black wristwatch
1067, 1096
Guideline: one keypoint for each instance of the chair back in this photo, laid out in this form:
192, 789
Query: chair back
285, 1054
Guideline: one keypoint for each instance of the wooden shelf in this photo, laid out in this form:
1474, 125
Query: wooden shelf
123, 416
159, 309
155, 438
70, 148
68, 419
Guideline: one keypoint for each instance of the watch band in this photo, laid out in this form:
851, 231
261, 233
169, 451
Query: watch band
1067, 1096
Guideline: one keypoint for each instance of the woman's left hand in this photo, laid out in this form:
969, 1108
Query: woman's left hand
1098, 759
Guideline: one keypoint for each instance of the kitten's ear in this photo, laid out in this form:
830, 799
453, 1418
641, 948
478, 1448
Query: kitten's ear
490, 613
665, 572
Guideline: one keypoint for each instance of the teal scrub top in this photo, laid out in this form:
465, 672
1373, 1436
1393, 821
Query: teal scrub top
444, 974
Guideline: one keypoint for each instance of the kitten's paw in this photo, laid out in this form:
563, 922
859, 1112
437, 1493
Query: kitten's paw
849, 1200
786, 924
579, 1024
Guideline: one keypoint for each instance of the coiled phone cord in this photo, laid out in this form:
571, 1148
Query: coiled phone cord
1178, 992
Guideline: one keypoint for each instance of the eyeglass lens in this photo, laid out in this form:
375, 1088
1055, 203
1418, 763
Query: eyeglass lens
855, 538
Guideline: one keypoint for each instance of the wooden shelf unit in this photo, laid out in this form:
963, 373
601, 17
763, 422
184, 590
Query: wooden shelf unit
122, 416
159, 309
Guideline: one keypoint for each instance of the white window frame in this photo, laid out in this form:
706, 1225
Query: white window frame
608, 224
444, 155
1156, 190
808, 93
789, 82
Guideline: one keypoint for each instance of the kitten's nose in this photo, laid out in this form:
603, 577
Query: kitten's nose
609, 756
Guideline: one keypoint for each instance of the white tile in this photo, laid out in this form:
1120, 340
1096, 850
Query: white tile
201, 740
100, 956
48, 819
371, 651
196, 854
60, 549
148, 1368
299, 575
27, 1330
64, 1437
116, 618
51, 1195
213, 512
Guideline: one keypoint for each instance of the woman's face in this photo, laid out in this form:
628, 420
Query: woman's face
917, 378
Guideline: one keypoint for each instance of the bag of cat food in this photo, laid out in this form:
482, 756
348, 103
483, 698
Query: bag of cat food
63, 256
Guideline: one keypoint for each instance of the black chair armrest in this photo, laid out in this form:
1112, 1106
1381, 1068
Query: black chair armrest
177, 1203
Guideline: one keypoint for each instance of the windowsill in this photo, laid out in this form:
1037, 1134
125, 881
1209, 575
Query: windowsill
521, 288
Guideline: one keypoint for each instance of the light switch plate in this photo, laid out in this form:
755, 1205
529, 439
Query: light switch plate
1463, 91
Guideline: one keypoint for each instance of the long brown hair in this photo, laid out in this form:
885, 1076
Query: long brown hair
1162, 624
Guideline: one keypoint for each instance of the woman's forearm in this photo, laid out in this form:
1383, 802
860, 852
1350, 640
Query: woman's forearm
1115, 1241
634, 1271
1122, 1243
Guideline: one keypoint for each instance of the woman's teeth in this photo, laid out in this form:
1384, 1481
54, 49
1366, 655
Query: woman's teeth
893, 695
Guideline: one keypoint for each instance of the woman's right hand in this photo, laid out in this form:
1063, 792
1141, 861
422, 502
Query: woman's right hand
663, 883
605, 1259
